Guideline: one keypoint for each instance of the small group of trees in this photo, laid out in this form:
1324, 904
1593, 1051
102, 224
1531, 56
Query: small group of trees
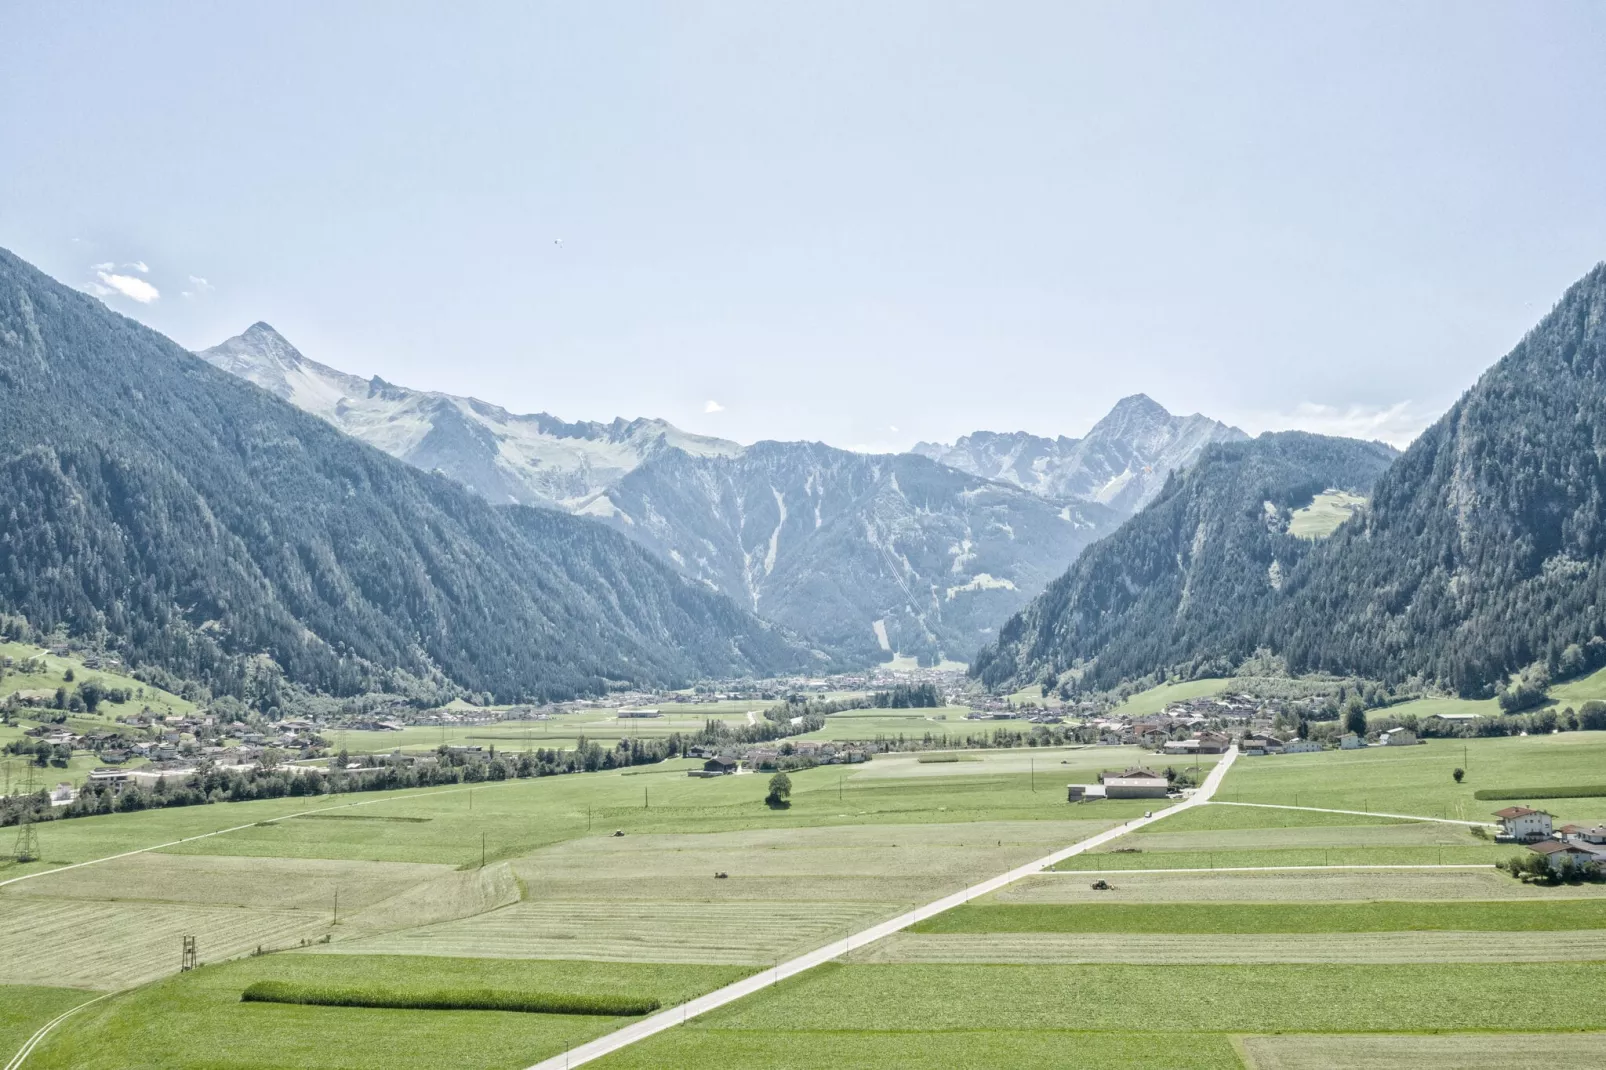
1537, 867
780, 796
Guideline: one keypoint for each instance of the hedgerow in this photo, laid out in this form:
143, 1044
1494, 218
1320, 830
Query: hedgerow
448, 999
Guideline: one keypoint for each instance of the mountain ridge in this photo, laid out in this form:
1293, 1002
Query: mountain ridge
195, 522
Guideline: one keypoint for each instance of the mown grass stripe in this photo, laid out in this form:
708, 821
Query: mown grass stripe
1238, 918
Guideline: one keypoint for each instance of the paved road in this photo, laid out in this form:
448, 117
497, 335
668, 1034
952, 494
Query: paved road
1361, 813
747, 986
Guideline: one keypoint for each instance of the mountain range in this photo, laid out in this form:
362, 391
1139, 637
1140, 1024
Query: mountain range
1481, 554
202, 526
921, 553
1122, 462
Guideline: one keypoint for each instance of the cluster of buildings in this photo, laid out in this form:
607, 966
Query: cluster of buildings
725, 760
1576, 846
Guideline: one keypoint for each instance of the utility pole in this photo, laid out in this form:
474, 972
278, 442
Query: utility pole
482, 850
645, 805
336, 920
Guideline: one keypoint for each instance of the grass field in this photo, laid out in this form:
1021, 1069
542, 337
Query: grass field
1156, 699
945, 1049
1440, 1051
24, 1008
1185, 998
197, 1020
1230, 918
53, 675
1417, 780
1157, 949
1324, 514
1304, 886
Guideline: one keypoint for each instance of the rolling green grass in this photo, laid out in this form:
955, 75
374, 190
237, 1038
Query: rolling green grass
695, 1045
54, 676
1439, 1051
1417, 780
1324, 514
1583, 689
1500, 916
1095, 861
1212, 816
1433, 707
197, 1020
1156, 699
24, 1008
1185, 999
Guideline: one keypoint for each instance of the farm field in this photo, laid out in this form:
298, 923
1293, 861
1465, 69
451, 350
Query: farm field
1417, 780
24, 1008
1054, 767
197, 1020
1188, 1000
1314, 885
1478, 1051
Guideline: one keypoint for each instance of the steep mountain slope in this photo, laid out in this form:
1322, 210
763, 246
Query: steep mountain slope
1485, 546
1190, 579
865, 552
530, 460
196, 522
1123, 462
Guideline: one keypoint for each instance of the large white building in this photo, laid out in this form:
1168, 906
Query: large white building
1521, 823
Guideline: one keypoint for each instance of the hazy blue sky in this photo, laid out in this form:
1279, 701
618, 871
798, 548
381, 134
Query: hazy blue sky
865, 223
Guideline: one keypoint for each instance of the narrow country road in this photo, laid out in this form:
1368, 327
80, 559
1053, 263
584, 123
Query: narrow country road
1361, 813
663, 1020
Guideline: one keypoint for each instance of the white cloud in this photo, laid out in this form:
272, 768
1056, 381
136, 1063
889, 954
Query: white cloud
107, 266
1396, 424
135, 289
893, 428
198, 285
140, 266
713, 406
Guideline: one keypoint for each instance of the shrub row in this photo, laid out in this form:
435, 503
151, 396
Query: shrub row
449, 999
1577, 791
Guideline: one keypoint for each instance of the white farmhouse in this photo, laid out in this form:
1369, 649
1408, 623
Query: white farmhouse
1521, 823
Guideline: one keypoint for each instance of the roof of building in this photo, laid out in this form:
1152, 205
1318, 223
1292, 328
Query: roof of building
1552, 847
1518, 811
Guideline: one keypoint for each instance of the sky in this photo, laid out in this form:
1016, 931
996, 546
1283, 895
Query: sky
864, 224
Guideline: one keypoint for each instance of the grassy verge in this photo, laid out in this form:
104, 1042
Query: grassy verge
1515, 916
24, 1008
447, 999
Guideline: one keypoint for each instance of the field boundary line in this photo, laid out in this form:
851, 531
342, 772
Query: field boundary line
237, 828
43, 1031
1357, 813
1264, 869
663, 1020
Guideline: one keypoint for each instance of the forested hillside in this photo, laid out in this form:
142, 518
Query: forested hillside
1186, 584
1485, 546
868, 553
195, 522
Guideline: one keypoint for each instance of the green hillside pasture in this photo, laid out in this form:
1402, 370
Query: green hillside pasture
1440, 1051
197, 1020
83, 944
1433, 707
1250, 998
1149, 949
695, 1045
1156, 699
1235, 918
718, 933
1227, 816
1304, 886
1417, 780
1054, 767
1576, 692
24, 1008
54, 676
1324, 514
